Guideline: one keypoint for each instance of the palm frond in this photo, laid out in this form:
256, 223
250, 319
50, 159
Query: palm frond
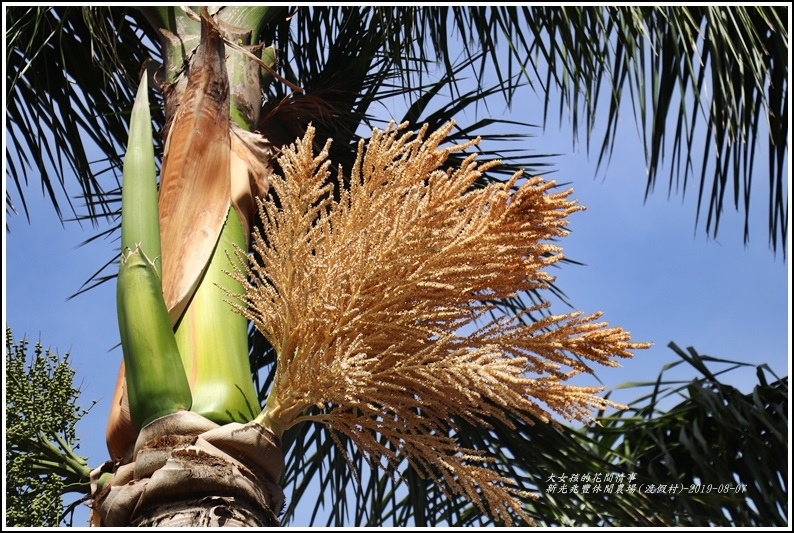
726, 449
708, 80
674, 67
679, 64
67, 101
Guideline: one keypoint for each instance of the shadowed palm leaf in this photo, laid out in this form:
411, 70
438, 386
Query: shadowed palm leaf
68, 100
344, 56
732, 441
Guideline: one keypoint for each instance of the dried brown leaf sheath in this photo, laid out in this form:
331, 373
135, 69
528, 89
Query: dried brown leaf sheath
195, 185
120, 433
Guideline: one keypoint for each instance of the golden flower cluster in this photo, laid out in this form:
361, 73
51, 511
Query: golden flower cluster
371, 290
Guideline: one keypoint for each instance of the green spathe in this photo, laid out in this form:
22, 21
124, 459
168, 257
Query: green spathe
156, 380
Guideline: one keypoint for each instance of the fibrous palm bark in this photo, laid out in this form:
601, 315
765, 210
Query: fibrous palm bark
189, 471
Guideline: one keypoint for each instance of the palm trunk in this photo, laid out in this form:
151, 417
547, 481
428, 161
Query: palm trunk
189, 471
212, 511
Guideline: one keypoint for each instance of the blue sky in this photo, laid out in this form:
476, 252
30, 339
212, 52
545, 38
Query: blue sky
646, 266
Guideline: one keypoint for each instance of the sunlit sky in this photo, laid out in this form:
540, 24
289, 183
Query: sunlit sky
646, 266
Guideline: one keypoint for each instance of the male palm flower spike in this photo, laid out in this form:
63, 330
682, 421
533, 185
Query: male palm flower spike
371, 302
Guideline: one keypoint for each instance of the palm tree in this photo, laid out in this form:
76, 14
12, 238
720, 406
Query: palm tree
339, 63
